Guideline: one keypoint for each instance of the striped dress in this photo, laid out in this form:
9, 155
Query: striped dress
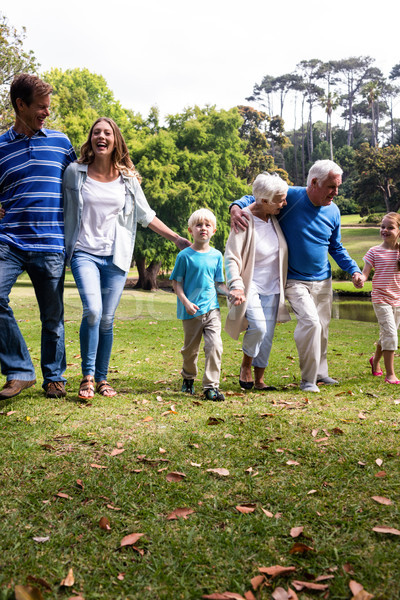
386, 279
31, 170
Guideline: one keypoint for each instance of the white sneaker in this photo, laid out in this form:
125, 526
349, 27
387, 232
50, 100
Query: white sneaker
327, 380
307, 386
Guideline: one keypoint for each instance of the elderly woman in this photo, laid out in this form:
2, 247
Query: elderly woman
256, 266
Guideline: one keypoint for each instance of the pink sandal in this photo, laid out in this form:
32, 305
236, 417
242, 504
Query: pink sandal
387, 381
375, 373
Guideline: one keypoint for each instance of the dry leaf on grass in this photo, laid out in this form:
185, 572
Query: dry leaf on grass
76, 598
280, 593
311, 492
147, 419
104, 523
41, 540
180, 513
215, 421
362, 595
379, 462
355, 587
69, 579
267, 513
257, 581
41, 581
117, 451
96, 466
384, 529
249, 595
380, 474
296, 531
121, 576
62, 495
26, 592
308, 585
175, 476
131, 539
246, 508
299, 548
222, 472
276, 570
382, 500
223, 596
79, 483
292, 594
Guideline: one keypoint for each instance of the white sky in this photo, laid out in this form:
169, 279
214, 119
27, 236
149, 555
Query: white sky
177, 53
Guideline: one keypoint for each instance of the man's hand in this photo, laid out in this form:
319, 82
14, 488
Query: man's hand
191, 308
239, 219
236, 297
182, 243
358, 280
2, 212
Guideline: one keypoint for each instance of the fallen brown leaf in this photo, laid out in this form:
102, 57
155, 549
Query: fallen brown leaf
76, 598
355, 587
280, 593
379, 462
146, 419
292, 462
384, 529
117, 451
121, 576
276, 570
299, 548
348, 568
222, 472
26, 592
96, 466
223, 596
180, 513
175, 476
249, 595
65, 496
337, 431
292, 594
382, 500
246, 508
130, 539
257, 581
104, 523
79, 483
69, 579
300, 585
41, 540
41, 581
296, 531
363, 595
267, 513
380, 474
215, 421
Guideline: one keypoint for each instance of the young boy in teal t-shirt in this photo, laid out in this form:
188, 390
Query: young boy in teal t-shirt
197, 274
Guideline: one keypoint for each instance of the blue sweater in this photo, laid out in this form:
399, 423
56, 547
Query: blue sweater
311, 233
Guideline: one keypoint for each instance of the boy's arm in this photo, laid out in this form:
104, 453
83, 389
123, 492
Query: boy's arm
190, 307
235, 296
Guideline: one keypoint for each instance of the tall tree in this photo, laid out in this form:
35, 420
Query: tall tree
379, 173
13, 60
309, 70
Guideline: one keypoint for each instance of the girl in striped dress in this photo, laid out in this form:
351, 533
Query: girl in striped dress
385, 260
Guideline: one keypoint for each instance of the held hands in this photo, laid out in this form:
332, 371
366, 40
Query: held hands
236, 297
358, 280
2, 212
239, 219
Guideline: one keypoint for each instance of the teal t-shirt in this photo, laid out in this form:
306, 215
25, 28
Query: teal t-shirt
198, 271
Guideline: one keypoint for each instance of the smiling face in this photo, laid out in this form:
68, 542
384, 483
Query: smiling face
31, 118
323, 194
389, 232
274, 206
102, 139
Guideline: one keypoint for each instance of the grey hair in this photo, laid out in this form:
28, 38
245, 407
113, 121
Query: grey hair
266, 186
321, 169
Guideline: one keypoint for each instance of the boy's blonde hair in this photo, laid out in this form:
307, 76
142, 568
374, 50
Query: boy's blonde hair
203, 214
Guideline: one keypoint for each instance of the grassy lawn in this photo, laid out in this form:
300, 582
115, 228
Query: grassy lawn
357, 242
294, 460
350, 219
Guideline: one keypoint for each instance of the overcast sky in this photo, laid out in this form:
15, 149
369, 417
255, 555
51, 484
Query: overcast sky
177, 53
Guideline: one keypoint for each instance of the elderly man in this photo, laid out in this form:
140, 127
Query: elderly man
32, 162
311, 225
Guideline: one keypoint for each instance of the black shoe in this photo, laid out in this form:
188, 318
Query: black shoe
188, 386
214, 394
246, 385
266, 388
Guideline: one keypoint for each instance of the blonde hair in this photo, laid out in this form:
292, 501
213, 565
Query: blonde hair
120, 155
203, 214
396, 218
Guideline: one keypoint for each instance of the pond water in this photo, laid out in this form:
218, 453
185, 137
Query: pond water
355, 310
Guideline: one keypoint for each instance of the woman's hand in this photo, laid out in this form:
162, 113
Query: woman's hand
2, 212
182, 243
236, 297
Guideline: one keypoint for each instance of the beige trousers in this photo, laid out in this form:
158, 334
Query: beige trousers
208, 326
311, 302
389, 320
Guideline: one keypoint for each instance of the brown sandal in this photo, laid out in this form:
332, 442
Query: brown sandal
86, 385
105, 389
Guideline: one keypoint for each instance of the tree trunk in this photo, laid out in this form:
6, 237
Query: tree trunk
147, 275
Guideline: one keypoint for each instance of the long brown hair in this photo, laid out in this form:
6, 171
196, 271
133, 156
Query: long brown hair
120, 155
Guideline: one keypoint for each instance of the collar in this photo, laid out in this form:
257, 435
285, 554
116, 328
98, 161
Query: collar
14, 135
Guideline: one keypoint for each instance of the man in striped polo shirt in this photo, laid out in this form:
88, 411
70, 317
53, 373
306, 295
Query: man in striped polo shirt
32, 162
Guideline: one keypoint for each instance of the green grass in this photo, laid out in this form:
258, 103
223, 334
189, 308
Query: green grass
350, 219
47, 445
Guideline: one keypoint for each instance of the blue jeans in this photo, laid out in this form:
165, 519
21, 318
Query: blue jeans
46, 270
100, 284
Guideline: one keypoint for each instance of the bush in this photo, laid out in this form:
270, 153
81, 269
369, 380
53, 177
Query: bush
347, 206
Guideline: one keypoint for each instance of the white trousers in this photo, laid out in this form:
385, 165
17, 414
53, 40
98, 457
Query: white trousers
311, 302
389, 320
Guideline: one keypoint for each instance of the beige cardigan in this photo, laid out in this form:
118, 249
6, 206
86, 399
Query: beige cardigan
239, 267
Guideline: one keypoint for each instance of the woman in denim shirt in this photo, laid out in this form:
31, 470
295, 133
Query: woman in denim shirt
103, 202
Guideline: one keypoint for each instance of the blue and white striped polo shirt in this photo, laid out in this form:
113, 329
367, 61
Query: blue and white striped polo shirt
31, 170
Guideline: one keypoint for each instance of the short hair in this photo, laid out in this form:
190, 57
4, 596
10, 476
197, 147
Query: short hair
25, 87
120, 155
267, 185
321, 169
203, 214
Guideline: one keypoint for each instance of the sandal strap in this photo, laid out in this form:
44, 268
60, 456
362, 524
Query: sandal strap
103, 386
86, 384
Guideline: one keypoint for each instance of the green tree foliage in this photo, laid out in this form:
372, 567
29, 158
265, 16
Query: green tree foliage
79, 98
13, 60
379, 176
196, 162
